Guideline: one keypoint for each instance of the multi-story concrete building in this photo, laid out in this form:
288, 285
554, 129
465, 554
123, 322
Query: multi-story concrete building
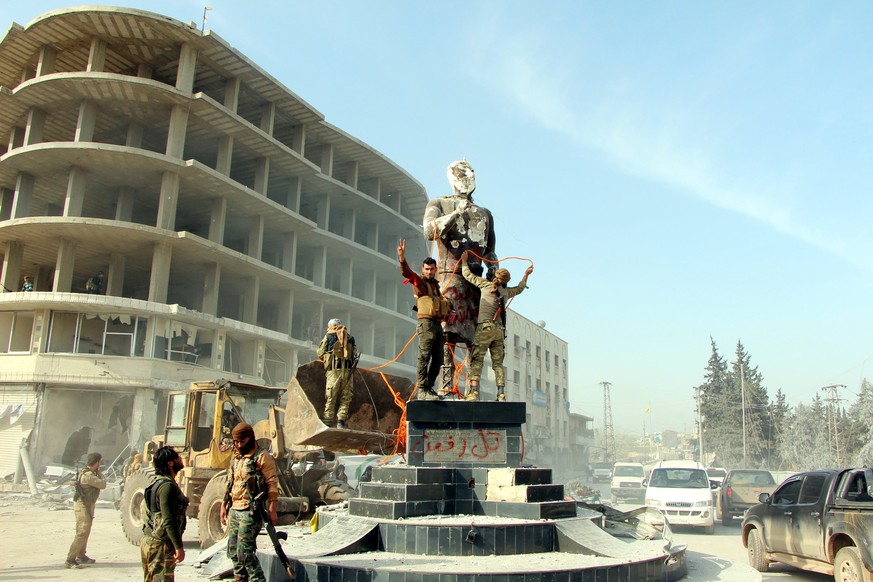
230, 220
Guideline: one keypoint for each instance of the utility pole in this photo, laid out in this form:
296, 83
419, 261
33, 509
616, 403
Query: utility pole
743, 396
833, 409
205, 17
702, 456
608, 431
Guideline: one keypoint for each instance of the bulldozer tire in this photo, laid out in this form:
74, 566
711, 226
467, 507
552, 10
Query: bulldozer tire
131, 504
209, 514
334, 491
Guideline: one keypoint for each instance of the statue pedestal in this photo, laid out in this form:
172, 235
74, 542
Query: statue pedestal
459, 434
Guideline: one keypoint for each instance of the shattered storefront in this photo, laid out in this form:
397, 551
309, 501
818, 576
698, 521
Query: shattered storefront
78, 420
60, 425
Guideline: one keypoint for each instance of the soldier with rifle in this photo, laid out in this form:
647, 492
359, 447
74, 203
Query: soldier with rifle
88, 484
164, 519
340, 356
252, 471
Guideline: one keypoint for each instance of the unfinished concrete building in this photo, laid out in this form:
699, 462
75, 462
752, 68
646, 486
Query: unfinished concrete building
229, 219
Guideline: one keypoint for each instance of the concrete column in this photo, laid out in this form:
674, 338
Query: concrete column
97, 56
211, 287
285, 312
371, 236
34, 126
268, 118
217, 218
187, 68
255, 241
144, 420
11, 274
16, 137
326, 161
133, 139
75, 199
169, 201
289, 252
295, 188
40, 329
352, 175
7, 197
225, 155
87, 121
47, 59
124, 204
162, 258
231, 94
372, 286
343, 269
42, 278
23, 196
322, 213
177, 130
65, 263
144, 71
250, 295
298, 139
262, 175
115, 284
216, 362
319, 266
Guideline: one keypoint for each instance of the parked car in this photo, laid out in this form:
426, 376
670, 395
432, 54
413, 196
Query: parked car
682, 493
740, 491
820, 521
601, 472
628, 482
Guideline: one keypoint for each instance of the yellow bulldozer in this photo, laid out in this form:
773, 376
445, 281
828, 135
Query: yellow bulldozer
198, 425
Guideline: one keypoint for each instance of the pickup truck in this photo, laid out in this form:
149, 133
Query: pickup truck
740, 490
820, 521
602, 472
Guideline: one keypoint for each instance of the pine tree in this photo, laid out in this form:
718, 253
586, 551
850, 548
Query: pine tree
719, 410
748, 384
860, 437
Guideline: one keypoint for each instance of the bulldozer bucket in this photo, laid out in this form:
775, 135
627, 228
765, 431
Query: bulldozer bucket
373, 413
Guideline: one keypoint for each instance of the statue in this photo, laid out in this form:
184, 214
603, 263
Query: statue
459, 225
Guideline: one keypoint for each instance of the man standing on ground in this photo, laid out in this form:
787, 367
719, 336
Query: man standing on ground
164, 519
340, 356
251, 467
491, 326
88, 485
432, 309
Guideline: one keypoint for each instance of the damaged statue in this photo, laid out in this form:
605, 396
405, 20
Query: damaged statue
457, 224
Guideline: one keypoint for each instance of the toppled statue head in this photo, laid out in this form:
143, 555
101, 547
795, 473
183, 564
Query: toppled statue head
462, 178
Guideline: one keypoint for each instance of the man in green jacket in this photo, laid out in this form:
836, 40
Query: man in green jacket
163, 519
491, 326
88, 485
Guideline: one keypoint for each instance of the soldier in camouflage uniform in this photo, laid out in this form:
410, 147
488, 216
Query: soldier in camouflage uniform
238, 511
88, 485
340, 356
163, 519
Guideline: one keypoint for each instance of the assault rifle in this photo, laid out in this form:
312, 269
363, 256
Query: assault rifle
260, 499
78, 492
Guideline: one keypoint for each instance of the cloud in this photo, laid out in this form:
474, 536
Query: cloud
611, 121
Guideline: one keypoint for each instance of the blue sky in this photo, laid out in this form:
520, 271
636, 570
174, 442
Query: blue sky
676, 170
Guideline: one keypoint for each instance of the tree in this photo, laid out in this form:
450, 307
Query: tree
860, 430
804, 441
747, 383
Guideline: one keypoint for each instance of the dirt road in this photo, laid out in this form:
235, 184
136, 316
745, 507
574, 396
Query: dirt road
36, 535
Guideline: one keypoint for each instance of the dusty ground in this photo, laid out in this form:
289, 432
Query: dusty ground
36, 535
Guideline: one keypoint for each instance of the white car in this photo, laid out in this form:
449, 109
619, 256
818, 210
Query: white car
682, 494
628, 482
716, 474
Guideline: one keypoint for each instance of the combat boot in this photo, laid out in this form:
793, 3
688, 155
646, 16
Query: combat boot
341, 424
501, 395
472, 396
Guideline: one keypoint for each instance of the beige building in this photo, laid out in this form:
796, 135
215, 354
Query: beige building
536, 372
229, 218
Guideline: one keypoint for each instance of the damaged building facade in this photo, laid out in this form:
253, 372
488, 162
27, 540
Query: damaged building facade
229, 219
